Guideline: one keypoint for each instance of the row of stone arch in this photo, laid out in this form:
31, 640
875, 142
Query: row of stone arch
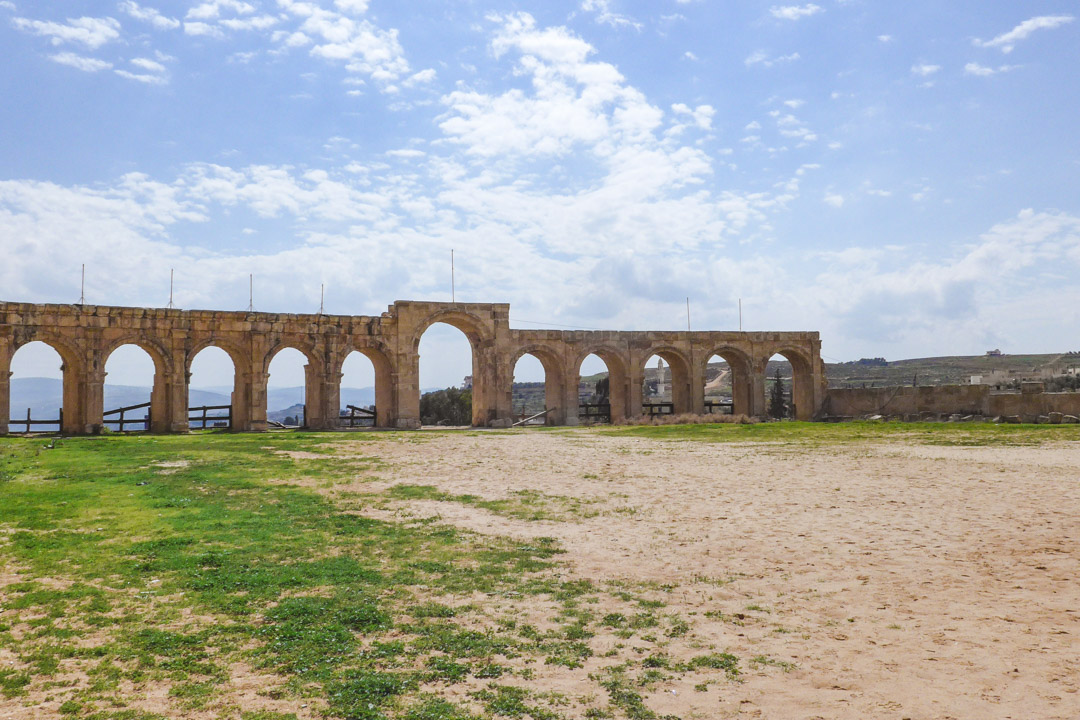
626, 373
85, 337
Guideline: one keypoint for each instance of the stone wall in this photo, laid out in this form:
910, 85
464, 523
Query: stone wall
1027, 405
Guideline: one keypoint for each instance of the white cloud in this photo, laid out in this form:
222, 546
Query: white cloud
420, 78
363, 47
978, 70
79, 62
834, 199
212, 10
143, 77
201, 28
690, 56
702, 115
88, 31
760, 57
354, 7
924, 69
795, 12
885, 39
794, 104
605, 15
1007, 41
148, 14
148, 64
257, 22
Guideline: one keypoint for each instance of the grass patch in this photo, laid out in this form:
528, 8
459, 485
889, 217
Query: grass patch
521, 505
134, 574
806, 433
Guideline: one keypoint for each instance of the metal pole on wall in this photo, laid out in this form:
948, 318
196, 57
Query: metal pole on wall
688, 314
322, 297
82, 288
453, 289
170, 288
251, 292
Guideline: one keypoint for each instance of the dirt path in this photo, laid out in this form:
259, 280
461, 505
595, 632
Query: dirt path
901, 581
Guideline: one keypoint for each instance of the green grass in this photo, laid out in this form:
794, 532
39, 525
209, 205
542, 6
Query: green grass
804, 433
135, 576
522, 504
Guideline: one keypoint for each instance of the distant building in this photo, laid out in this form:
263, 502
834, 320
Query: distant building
993, 353
466, 384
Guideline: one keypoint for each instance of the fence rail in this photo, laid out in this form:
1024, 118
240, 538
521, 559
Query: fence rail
658, 408
120, 422
357, 417
220, 421
595, 412
719, 407
29, 423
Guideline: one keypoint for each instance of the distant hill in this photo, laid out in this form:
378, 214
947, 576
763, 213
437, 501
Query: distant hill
950, 370
44, 396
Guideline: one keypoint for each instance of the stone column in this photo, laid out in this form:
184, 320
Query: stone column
5, 385
321, 392
406, 383
555, 394
255, 383
742, 389
87, 418
501, 392
571, 402
758, 403
633, 394
697, 385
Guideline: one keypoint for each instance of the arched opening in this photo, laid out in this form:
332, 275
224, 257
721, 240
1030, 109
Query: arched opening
602, 381
213, 385
286, 389
527, 394
665, 388
594, 391
792, 396
39, 389
537, 388
357, 404
728, 384
132, 380
451, 387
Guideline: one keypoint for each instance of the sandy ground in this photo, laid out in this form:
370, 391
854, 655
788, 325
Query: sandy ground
902, 581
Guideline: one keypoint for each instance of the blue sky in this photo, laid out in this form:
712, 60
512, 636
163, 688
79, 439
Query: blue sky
900, 176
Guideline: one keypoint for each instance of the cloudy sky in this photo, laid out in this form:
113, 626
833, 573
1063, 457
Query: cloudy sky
900, 176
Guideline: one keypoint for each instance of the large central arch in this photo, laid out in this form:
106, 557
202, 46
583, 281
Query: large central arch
484, 372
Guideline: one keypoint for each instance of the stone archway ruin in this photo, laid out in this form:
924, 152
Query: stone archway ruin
84, 335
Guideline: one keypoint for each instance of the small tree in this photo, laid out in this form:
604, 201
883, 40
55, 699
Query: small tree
452, 406
777, 407
603, 386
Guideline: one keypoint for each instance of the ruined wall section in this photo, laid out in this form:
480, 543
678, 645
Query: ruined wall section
1029, 405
